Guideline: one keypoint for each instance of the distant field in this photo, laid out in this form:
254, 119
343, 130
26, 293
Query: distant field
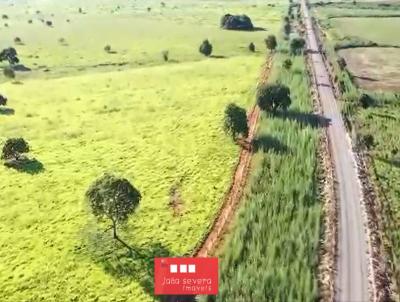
84, 112
374, 68
379, 30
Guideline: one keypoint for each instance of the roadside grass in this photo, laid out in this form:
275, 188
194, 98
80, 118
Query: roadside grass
158, 127
382, 122
271, 254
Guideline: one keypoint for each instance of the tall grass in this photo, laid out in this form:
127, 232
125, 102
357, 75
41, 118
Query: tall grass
272, 252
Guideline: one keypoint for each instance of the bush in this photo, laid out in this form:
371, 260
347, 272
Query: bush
9, 72
238, 22
17, 40
252, 47
270, 42
271, 97
287, 29
14, 147
10, 55
287, 64
235, 121
206, 48
368, 141
30, 21
297, 46
49, 23
165, 55
4, 17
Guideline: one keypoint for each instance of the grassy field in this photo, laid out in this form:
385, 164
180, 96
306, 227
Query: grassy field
372, 69
158, 124
275, 238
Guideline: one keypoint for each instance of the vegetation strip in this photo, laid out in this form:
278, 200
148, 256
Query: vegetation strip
235, 191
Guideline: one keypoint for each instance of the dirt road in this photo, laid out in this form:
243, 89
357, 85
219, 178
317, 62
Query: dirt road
352, 263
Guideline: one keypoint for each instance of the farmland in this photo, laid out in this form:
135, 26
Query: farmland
85, 111
372, 71
275, 237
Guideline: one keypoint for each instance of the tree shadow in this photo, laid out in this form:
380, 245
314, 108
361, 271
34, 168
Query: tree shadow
120, 262
7, 111
305, 119
217, 57
395, 162
21, 67
267, 143
26, 165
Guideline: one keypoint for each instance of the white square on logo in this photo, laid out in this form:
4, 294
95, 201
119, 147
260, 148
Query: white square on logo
183, 268
192, 268
173, 268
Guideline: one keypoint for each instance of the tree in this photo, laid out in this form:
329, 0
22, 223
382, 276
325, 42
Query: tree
49, 23
107, 48
13, 148
252, 47
10, 55
206, 48
9, 72
287, 64
270, 42
235, 121
17, 40
297, 46
3, 100
271, 97
165, 55
287, 28
115, 199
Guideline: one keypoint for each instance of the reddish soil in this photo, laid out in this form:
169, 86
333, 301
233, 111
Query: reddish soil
208, 246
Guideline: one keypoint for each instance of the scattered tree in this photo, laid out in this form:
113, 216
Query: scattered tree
297, 46
49, 23
14, 148
9, 72
271, 97
287, 64
10, 55
368, 141
30, 21
270, 42
365, 100
114, 199
4, 17
5, 24
149, 9
163, 4
206, 48
252, 47
80, 10
235, 121
17, 40
165, 55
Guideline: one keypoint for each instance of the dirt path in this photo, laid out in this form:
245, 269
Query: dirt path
351, 282
232, 198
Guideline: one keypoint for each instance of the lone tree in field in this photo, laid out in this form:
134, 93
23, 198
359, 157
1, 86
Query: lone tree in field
297, 46
14, 148
10, 55
271, 97
271, 43
114, 199
287, 64
235, 121
3, 100
9, 72
252, 47
206, 48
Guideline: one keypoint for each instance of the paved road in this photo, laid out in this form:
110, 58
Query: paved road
351, 282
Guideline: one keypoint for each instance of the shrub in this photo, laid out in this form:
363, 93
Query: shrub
287, 64
252, 47
49, 23
287, 29
271, 97
17, 40
297, 46
14, 147
149, 9
206, 48
30, 21
342, 63
270, 42
4, 17
165, 55
368, 141
9, 72
10, 55
80, 10
235, 121
114, 199
5, 24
